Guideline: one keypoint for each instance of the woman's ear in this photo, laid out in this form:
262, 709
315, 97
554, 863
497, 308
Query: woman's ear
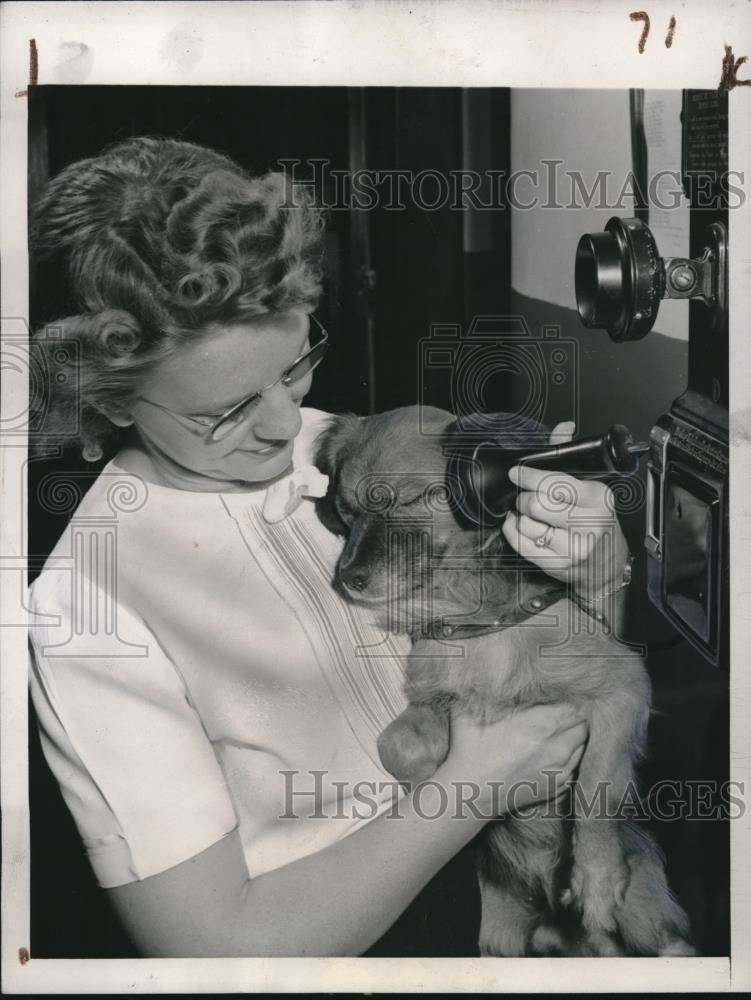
120, 420
118, 415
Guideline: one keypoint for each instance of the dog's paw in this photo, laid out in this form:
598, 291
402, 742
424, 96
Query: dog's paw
620, 884
599, 890
502, 939
547, 941
597, 944
411, 751
676, 947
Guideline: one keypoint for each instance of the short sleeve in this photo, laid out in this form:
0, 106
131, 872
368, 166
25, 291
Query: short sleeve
134, 763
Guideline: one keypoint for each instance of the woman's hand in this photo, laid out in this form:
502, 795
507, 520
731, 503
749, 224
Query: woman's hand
585, 543
527, 757
340, 900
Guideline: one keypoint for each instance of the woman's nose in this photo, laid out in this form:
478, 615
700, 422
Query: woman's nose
278, 415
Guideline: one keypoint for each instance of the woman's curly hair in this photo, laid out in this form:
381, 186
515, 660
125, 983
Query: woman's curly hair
158, 239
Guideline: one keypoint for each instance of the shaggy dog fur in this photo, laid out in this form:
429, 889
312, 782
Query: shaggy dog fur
589, 883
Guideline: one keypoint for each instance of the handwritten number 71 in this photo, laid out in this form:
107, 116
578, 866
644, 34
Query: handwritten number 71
642, 15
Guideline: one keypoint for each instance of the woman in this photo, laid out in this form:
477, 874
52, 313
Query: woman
198, 685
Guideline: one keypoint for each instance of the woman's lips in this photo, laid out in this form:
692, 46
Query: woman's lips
268, 450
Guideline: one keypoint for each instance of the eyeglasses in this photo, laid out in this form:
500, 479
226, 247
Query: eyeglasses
218, 428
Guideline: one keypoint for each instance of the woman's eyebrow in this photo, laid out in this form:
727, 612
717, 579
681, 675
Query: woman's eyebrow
219, 408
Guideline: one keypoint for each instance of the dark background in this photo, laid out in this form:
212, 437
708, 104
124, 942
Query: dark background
390, 276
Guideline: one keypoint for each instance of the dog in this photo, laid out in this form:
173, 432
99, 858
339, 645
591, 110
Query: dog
589, 883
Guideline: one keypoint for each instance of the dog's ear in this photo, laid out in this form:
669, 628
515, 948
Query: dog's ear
511, 430
334, 443
331, 449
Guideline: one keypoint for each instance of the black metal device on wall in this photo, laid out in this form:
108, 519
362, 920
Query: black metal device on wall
620, 281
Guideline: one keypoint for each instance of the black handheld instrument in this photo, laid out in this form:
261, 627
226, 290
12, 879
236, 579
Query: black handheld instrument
477, 474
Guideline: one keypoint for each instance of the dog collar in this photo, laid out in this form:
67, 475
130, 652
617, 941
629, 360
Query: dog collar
440, 629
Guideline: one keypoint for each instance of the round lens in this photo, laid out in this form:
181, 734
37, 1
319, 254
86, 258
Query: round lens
232, 421
306, 364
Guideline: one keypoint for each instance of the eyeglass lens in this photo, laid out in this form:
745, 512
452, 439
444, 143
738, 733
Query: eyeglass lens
298, 371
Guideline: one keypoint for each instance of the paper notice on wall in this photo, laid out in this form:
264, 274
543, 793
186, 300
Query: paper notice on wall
668, 206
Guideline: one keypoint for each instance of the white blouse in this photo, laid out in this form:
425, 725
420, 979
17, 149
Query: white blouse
193, 667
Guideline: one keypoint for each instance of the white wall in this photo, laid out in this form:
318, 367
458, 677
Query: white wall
589, 131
